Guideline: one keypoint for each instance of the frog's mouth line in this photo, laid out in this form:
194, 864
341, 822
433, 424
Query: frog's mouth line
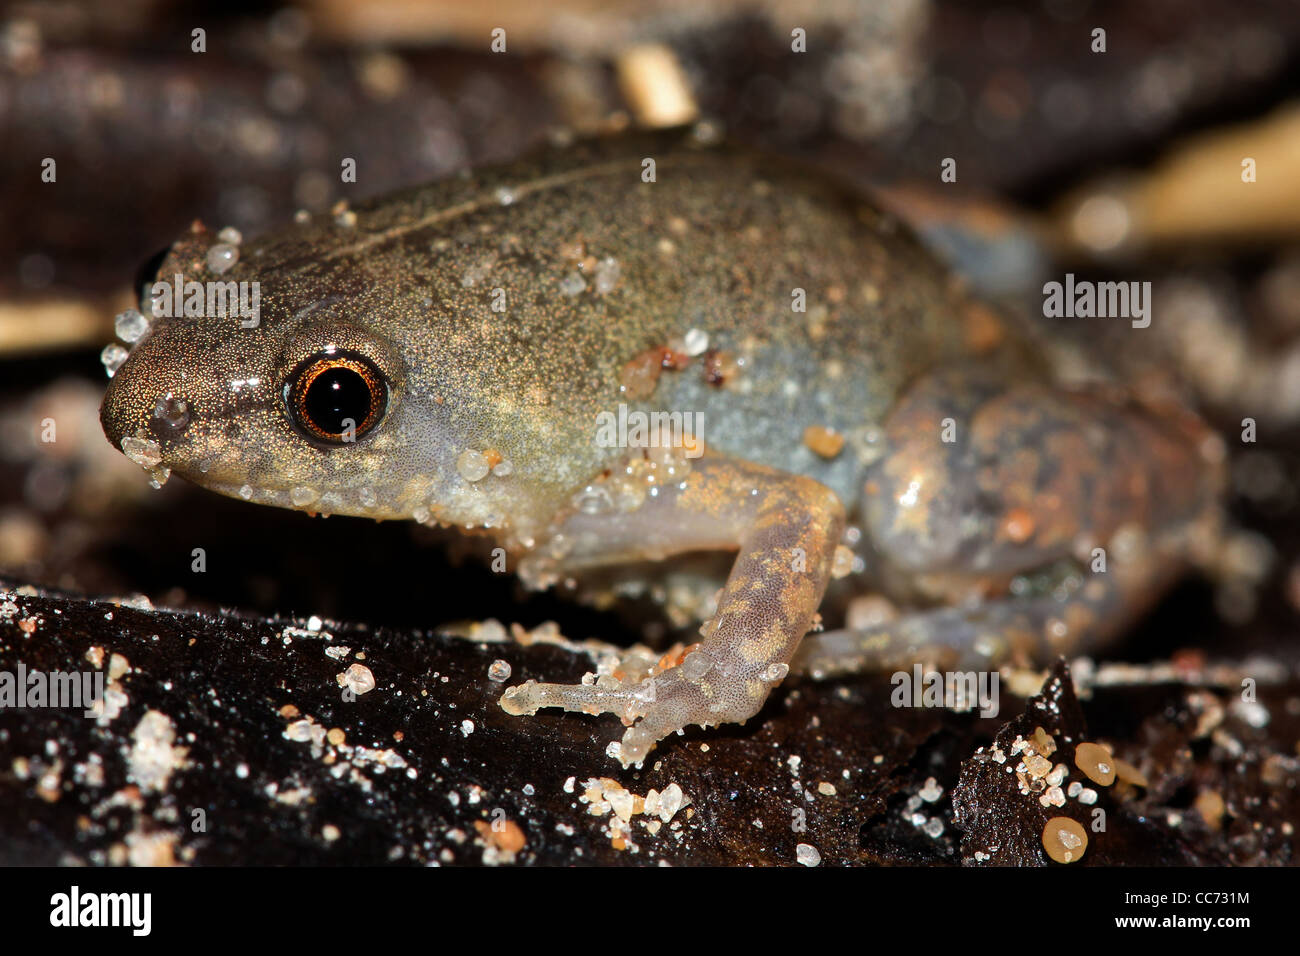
363, 502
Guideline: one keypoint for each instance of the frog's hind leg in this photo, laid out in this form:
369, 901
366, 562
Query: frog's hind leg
1034, 521
1070, 610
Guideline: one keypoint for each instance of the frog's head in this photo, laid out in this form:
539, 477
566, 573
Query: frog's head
299, 403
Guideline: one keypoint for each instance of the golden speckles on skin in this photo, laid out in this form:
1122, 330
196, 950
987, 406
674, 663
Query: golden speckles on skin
816, 326
842, 565
758, 649
573, 253
826, 442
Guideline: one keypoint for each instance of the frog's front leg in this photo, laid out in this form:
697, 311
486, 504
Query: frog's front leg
786, 528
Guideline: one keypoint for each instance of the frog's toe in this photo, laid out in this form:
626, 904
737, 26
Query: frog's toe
626, 701
531, 696
655, 707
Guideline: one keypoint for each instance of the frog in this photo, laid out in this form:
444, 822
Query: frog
636, 348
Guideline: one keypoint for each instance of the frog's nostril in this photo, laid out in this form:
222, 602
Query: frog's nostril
171, 412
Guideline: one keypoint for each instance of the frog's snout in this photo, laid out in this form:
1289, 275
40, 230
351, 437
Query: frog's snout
139, 405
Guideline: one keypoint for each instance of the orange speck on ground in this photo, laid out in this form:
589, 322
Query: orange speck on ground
506, 836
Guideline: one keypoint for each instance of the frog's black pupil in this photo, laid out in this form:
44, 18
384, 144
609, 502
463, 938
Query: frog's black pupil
335, 395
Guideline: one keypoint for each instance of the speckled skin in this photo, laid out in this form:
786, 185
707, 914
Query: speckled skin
598, 277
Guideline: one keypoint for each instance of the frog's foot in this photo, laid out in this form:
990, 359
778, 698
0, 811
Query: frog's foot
695, 692
786, 527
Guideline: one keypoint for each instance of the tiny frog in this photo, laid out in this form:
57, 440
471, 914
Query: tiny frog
631, 349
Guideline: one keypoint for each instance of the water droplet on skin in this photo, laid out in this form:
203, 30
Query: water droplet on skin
607, 273
222, 257
572, 284
302, 495
628, 495
477, 272
172, 412
696, 665
472, 465
696, 342
776, 672
869, 442
130, 325
593, 500
142, 451
113, 356
246, 492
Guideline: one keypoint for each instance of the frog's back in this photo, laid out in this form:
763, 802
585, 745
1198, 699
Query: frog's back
537, 295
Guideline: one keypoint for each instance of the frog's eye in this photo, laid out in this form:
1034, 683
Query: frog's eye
336, 397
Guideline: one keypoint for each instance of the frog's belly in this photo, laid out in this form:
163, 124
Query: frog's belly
765, 421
